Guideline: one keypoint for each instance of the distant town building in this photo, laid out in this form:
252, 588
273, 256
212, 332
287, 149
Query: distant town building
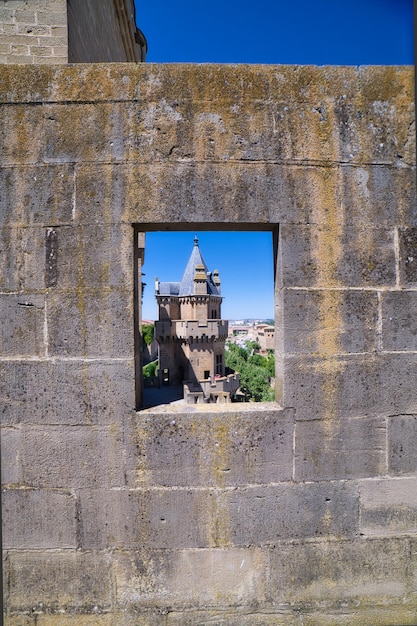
191, 334
264, 334
239, 329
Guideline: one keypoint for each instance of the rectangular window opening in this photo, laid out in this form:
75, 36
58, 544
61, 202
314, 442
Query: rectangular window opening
204, 300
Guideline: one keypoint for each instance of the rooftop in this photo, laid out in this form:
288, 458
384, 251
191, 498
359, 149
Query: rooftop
186, 287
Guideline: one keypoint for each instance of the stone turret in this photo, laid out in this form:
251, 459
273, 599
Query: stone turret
200, 280
190, 331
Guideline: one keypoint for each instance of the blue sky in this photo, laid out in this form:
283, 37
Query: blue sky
244, 261
319, 32
323, 32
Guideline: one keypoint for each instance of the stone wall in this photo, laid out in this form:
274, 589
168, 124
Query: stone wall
33, 31
61, 31
104, 35
299, 511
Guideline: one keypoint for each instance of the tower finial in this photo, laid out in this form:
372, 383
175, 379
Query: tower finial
196, 240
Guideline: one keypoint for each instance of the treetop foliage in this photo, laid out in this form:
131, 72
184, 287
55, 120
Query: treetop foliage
147, 333
255, 370
150, 369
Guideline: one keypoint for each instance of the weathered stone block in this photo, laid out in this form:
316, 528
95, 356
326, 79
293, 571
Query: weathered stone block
37, 195
59, 581
350, 386
379, 194
385, 83
399, 326
413, 558
382, 616
407, 240
75, 132
20, 620
22, 328
66, 392
323, 574
90, 323
103, 190
49, 91
395, 615
335, 321
38, 519
23, 251
220, 577
214, 449
388, 507
214, 129
402, 452
264, 515
340, 448
335, 255
182, 193
398, 383
58, 18
209, 83
237, 617
159, 519
79, 449
368, 257
145, 618
321, 91
94, 256
11, 470
387, 91
50, 60
21, 134
385, 139
7, 15
164, 129
264, 193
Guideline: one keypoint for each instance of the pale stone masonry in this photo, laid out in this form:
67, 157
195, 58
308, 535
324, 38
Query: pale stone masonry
298, 511
33, 31
50, 32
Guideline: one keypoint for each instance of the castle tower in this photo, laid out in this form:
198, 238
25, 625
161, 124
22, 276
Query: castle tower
190, 332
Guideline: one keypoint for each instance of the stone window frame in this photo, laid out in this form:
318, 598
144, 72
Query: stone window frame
139, 253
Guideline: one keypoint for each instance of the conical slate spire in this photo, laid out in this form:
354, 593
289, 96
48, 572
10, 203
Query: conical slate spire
187, 281
186, 287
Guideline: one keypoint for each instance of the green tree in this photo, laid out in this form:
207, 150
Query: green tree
147, 333
257, 359
235, 355
150, 369
270, 364
255, 372
268, 395
252, 346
